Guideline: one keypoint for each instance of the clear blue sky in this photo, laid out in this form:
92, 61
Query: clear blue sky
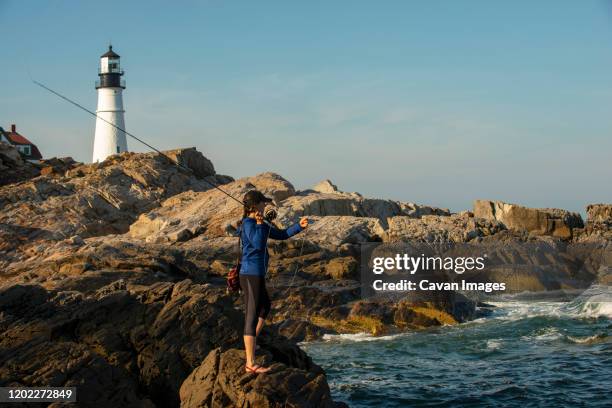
435, 102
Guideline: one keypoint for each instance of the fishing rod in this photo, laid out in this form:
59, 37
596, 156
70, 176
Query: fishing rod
134, 137
156, 150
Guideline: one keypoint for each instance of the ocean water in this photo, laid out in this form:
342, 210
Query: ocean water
525, 354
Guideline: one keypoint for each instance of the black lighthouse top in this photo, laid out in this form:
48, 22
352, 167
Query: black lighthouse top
110, 71
110, 53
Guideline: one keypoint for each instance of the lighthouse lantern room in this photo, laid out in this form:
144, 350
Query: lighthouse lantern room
109, 139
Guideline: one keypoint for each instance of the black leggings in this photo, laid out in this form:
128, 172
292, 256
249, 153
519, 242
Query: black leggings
256, 301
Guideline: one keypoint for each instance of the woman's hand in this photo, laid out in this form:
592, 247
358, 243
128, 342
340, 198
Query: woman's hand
303, 222
259, 218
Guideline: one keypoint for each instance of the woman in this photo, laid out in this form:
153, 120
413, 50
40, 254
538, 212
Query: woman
254, 234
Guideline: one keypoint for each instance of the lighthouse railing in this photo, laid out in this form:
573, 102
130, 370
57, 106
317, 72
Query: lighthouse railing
99, 85
120, 72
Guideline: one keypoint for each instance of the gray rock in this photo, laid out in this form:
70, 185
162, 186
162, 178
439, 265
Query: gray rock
599, 214
544, 221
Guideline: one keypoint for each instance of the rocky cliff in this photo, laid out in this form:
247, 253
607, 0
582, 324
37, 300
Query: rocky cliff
112, 277
126, 321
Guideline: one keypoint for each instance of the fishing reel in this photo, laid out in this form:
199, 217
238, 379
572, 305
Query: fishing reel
270, 214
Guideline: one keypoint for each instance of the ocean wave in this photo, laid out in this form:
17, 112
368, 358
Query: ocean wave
494, 344
594, 302
518, 310
596, 338
359, 337
545, 335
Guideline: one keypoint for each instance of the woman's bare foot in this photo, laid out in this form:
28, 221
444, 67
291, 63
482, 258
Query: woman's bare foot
256, 369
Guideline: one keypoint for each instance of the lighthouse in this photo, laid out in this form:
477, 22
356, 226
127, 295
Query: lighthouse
108, 139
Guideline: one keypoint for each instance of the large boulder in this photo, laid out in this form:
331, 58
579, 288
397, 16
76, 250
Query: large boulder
599, 214
544, 221
57, 165
221, 381
326, 200
13, 168
598, 229
185, 216
325, 186
416, 210
272, 185
460, 227
334, 231
193, 160
10, 156
415, 311
336, 204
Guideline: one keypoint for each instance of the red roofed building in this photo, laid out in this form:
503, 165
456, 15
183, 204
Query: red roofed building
25, 147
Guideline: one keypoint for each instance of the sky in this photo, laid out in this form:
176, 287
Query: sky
433, 102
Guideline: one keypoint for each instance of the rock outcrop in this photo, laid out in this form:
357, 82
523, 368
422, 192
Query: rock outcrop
325, 187
546, 221
92, 200
534, 264
221, 381
336, 204
598, 229
187, 215
599, 214
117, 344
133, 345
456, 228
57, 166
324, 199
12, 166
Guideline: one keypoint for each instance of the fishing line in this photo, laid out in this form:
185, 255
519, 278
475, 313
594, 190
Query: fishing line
162, 154
132, 136
299, 261
297, 265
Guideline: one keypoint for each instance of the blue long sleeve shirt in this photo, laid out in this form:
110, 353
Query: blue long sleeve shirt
255, 256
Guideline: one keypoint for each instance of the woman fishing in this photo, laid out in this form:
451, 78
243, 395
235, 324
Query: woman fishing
254, 234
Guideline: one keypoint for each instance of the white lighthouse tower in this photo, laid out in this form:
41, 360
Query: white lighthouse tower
109, 140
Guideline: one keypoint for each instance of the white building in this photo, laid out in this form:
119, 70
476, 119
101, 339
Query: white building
109, 139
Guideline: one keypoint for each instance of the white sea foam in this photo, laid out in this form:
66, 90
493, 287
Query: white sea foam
358, 337
596, 301
589, 339
545, 335
494, 344
517, 310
